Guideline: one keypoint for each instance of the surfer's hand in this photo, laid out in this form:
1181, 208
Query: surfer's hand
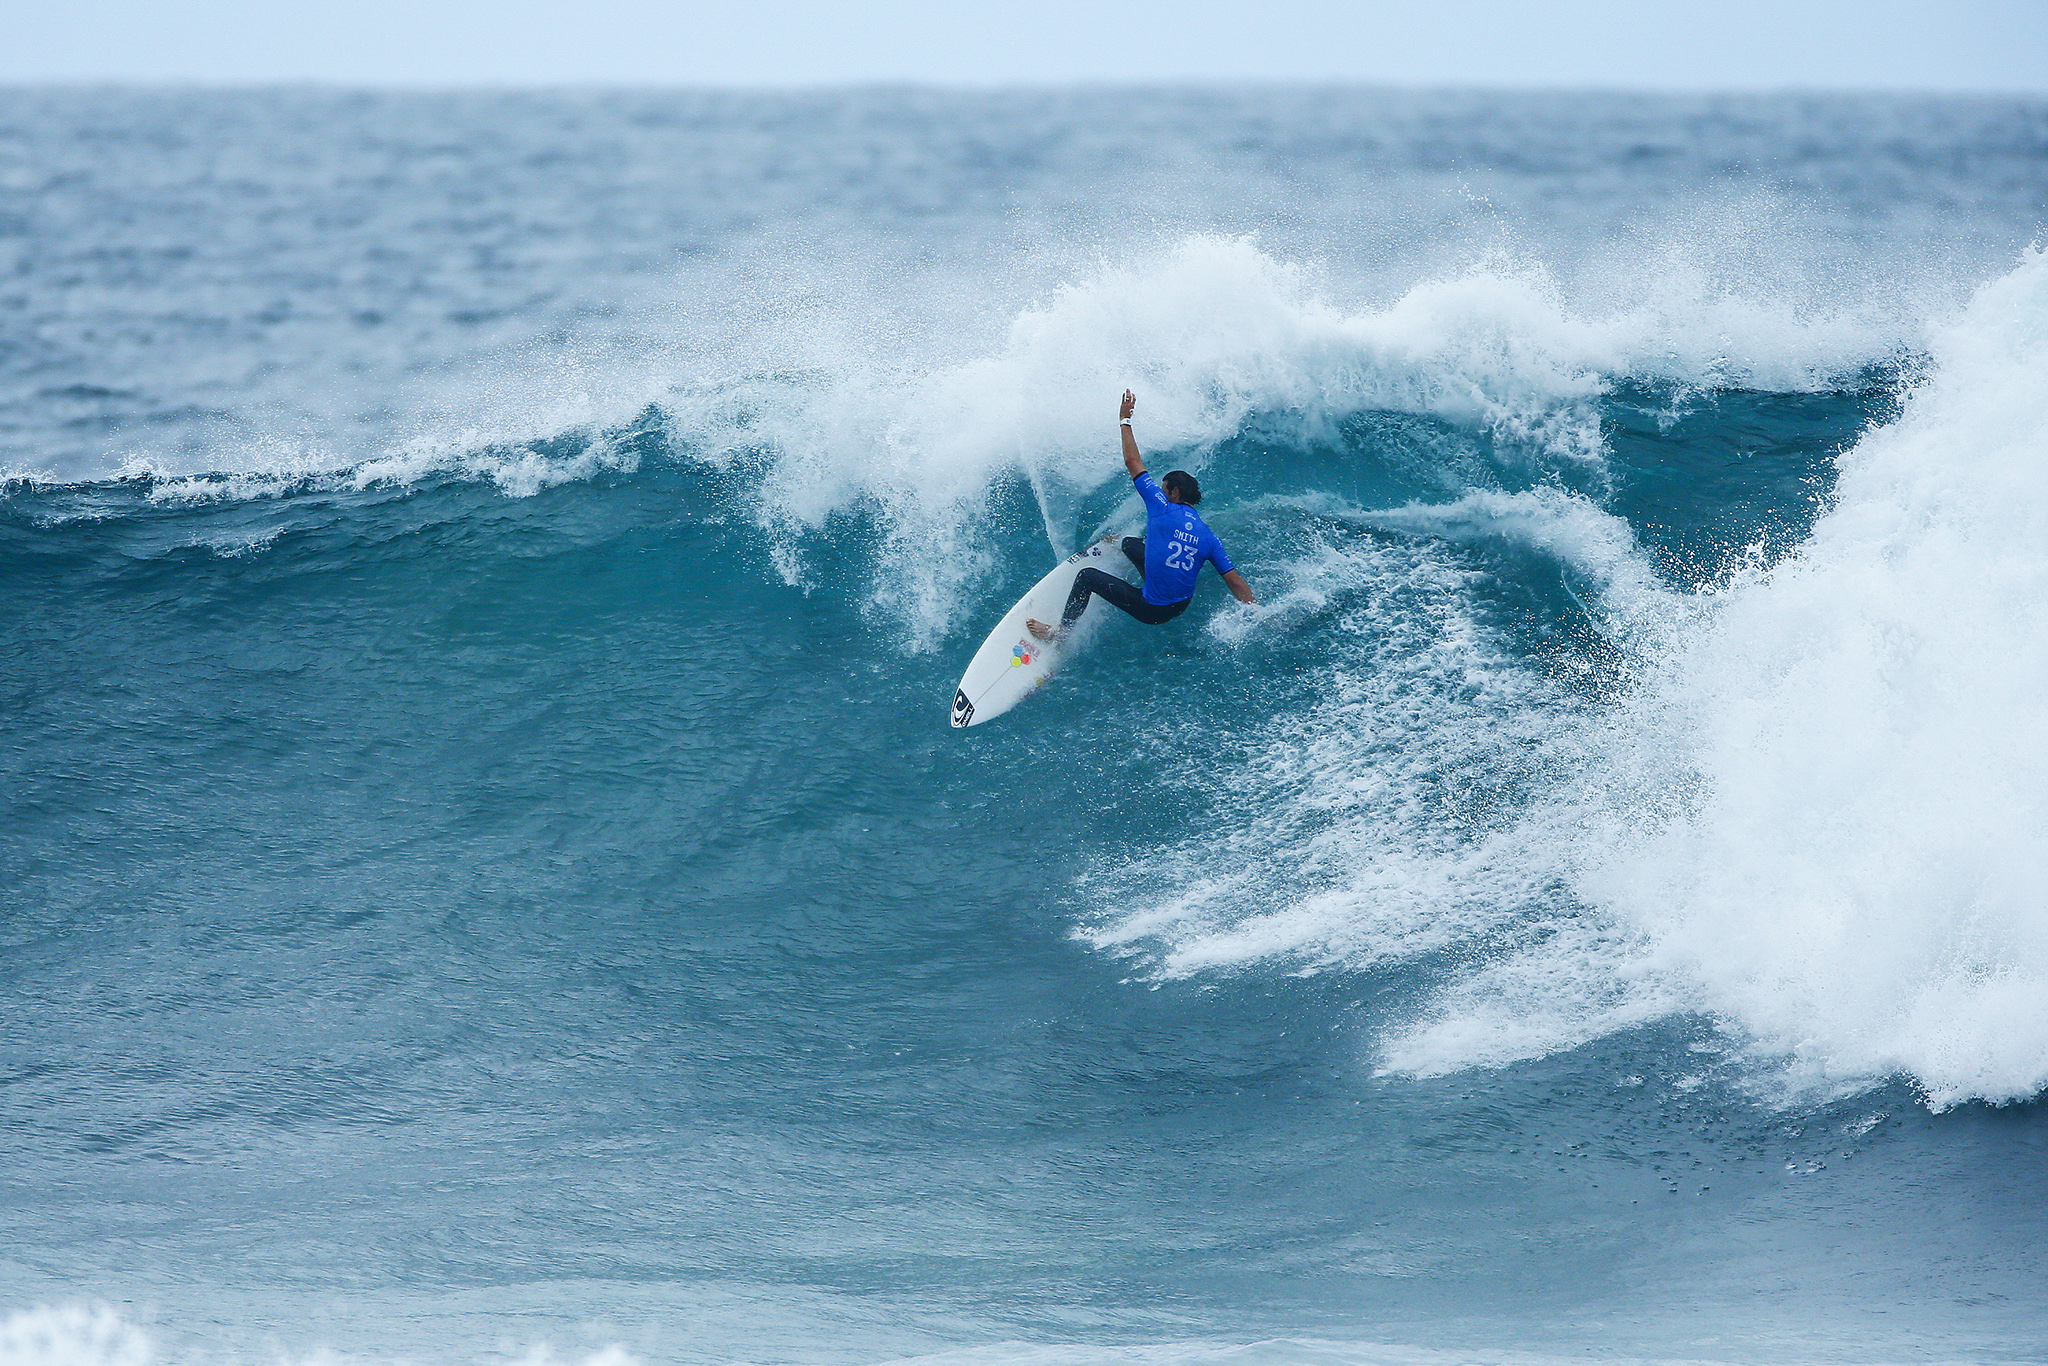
1130, 402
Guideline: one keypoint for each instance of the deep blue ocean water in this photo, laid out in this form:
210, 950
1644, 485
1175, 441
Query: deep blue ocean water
486, 875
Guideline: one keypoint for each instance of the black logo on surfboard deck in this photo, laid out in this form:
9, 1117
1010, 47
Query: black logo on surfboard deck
963, 710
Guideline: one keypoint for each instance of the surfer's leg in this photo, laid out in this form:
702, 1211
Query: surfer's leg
1134, 551
1113, 589
1086, 582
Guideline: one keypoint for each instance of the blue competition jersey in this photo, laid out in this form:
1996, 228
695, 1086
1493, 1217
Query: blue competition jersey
1177, 540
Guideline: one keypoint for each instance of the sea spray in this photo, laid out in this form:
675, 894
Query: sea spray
1810, 814
1858, 881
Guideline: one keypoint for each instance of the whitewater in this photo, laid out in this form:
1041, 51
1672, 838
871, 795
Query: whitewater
486, 873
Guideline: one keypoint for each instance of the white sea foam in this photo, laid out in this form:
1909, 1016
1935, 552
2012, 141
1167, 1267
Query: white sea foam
271, 469
1382, 817
1860, 884
1817, 816
98, 1335
1271, 1352
74, 1335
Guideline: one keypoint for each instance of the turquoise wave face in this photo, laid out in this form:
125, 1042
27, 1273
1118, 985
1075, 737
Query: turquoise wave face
514, 889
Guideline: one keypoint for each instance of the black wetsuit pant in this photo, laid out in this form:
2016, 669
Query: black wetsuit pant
1132, 600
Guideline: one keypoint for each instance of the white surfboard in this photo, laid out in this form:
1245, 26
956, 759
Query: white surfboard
1012, 662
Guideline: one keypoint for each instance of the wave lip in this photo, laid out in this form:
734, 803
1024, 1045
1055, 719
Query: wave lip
1223, 342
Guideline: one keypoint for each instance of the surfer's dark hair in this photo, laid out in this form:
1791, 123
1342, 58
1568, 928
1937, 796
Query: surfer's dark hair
1183, 483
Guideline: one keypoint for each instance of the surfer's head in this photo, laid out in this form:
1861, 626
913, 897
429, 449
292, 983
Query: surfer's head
1181, 487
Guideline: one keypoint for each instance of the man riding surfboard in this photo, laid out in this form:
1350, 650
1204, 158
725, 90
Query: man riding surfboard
1171, 553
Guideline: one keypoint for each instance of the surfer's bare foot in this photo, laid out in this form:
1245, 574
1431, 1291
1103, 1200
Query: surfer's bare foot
1041, 630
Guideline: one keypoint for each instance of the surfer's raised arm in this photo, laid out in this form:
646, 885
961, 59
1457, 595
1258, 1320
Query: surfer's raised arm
1133, 462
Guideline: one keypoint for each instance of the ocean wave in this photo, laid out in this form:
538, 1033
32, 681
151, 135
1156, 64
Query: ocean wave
1856, 887
1804, 805
1219, 337
1503, 745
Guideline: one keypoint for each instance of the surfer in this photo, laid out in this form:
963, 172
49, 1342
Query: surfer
1170, 554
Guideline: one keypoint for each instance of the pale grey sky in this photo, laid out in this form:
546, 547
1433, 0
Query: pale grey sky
1947, 45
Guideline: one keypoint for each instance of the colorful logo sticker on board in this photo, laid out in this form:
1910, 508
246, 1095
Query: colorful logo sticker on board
1020, 654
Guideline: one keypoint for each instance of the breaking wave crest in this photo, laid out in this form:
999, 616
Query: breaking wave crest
1803, 802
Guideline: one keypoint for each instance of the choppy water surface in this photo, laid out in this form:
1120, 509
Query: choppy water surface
486, 872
